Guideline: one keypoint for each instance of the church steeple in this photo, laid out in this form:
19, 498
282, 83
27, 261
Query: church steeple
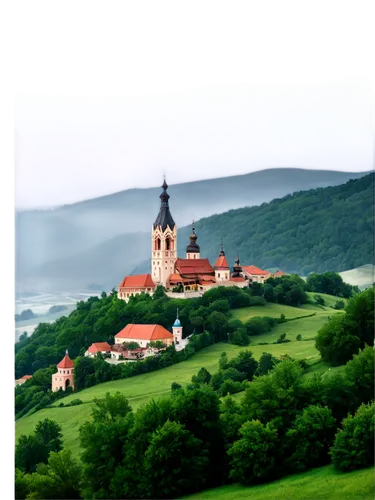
164, 217
164, 241
237, 269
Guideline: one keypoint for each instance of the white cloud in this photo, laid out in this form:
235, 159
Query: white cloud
68, 149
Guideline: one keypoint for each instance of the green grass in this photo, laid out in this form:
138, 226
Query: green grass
142, 388
317, 484
361, 276
270, 310
329, 300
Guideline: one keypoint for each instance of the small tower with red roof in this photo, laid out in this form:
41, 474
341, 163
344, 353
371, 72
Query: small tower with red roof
63, 378
222, 270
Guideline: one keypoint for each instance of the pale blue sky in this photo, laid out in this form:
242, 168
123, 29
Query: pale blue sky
69, 148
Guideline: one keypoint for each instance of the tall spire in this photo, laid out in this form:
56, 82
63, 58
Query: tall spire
164, 217
177, 322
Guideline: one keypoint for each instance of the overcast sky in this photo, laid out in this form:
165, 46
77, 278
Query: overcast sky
68, 149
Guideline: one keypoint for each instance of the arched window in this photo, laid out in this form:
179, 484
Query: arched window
157, 244
168, 244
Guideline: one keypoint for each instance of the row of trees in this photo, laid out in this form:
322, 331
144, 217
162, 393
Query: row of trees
191, 440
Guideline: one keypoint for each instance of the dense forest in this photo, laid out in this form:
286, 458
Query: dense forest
190, 441
324, 229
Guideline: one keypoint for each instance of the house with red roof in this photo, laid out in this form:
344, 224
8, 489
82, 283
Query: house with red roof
23, 379
63, 378
134, 285
255, 274
144, 334
96, 347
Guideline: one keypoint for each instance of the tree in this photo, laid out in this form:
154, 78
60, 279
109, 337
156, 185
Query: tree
60, 478
359, 375
330, 283
319, 300
253, 455
110, 407
245, 363
50, 433
158, 344
310, 437
174, 462
30, 451
360, 310
299, 337
335, 340
83, 368
132, 345
354, 443
266, 363
339, 304
203, 377
21, 485
217, 323
240, 337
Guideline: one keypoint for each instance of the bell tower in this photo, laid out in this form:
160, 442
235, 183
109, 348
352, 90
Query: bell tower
164, 242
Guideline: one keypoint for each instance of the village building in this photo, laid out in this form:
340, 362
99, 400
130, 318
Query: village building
144, 334
63, 378
96, 347
185, 277
134, 285
23, 379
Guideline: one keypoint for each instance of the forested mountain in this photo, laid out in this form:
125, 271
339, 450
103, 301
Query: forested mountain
62, 247
323, 229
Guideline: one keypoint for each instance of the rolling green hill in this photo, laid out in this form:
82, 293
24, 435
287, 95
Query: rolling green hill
323, 483
324, 229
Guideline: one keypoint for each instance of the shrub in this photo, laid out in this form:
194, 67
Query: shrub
175, 386
299, 337
340, 304
76, 402
319, 300
354, 443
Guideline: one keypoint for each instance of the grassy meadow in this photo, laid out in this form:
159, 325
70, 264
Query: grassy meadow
323, 483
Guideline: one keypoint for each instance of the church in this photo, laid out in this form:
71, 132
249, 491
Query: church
184, 277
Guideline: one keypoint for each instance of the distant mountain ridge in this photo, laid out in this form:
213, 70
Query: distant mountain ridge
316, 230
100, 239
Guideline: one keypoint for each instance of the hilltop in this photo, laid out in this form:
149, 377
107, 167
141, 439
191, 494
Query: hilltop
323, 229
57, 248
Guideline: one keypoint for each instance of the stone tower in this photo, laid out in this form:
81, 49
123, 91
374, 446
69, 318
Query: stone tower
63, 378
177, 331
164, 242
222, 270
192, 249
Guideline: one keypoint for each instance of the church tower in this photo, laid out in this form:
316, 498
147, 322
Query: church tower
192, 249
63, 378
222, 270
164, 242
177, 330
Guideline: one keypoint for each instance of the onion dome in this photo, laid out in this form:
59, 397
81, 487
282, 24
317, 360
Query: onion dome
177, 321
193, 247
237, 269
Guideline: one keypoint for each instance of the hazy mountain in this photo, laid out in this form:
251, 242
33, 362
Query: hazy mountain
316, 230
50, 234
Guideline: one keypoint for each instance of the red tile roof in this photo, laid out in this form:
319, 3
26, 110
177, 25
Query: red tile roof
138, 281
279, 273
175, 277
144, 332
256, 271
66, 362
99, 347
221, 263
238, 278
26, 377
194, 266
